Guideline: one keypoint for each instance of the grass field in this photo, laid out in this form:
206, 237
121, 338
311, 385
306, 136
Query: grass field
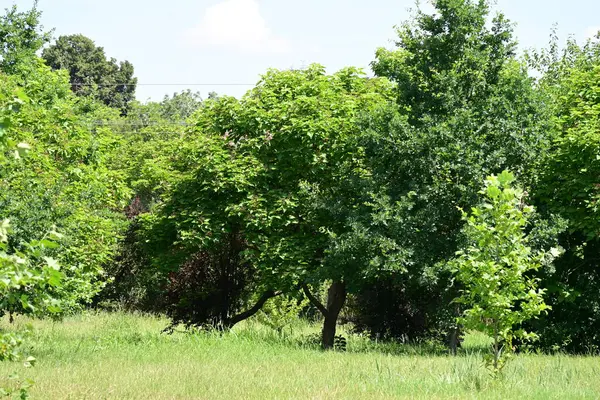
121, 356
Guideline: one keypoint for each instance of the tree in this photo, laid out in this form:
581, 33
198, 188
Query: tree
569, 188
28, 280
91, 73
494, 268
199, 241
152, 134
465, 109
180, 106
454, 52
280, 162
570, 178
21, 36
67, 179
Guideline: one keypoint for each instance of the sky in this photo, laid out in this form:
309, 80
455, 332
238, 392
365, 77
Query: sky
225, 45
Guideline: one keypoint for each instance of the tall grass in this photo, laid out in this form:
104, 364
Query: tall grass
125, 356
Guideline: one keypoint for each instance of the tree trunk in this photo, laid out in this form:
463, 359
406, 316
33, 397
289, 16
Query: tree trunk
336, 297
454, 339
496, 347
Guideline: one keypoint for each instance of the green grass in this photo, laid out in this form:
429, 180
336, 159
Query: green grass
122, 356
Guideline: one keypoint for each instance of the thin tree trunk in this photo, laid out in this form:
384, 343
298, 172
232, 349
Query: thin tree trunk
496, 350
454, 339
454, 334
336, 297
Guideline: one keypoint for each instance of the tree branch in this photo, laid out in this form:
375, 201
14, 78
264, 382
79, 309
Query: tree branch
269, 294
314, 300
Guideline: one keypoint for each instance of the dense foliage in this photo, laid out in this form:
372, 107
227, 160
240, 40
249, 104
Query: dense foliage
21, 37
91, 73
65, 183
28, 280
569, 188
493, 270
338, 190
466, 108
262, 167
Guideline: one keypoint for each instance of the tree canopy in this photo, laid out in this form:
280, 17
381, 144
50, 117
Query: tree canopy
339, 192
91, 72
21, 36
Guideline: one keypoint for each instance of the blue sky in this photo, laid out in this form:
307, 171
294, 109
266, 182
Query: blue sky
234, 41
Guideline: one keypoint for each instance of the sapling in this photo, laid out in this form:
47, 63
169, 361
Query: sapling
494, 269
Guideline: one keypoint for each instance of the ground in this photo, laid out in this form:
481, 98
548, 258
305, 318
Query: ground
124, 356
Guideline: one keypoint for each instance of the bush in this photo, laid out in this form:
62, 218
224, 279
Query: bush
135, 284
393, 307
210, 287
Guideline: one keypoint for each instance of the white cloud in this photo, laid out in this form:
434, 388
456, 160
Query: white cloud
591, 32
237, 24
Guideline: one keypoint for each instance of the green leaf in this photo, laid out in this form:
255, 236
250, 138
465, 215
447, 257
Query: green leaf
52, 263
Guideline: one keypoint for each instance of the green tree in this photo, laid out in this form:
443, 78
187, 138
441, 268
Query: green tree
153, 135
91, 73
570, 184
494, 268
28, 279
21, 36
465, 109
568, 188
67, 179
180, 106
288, 158
448, 60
